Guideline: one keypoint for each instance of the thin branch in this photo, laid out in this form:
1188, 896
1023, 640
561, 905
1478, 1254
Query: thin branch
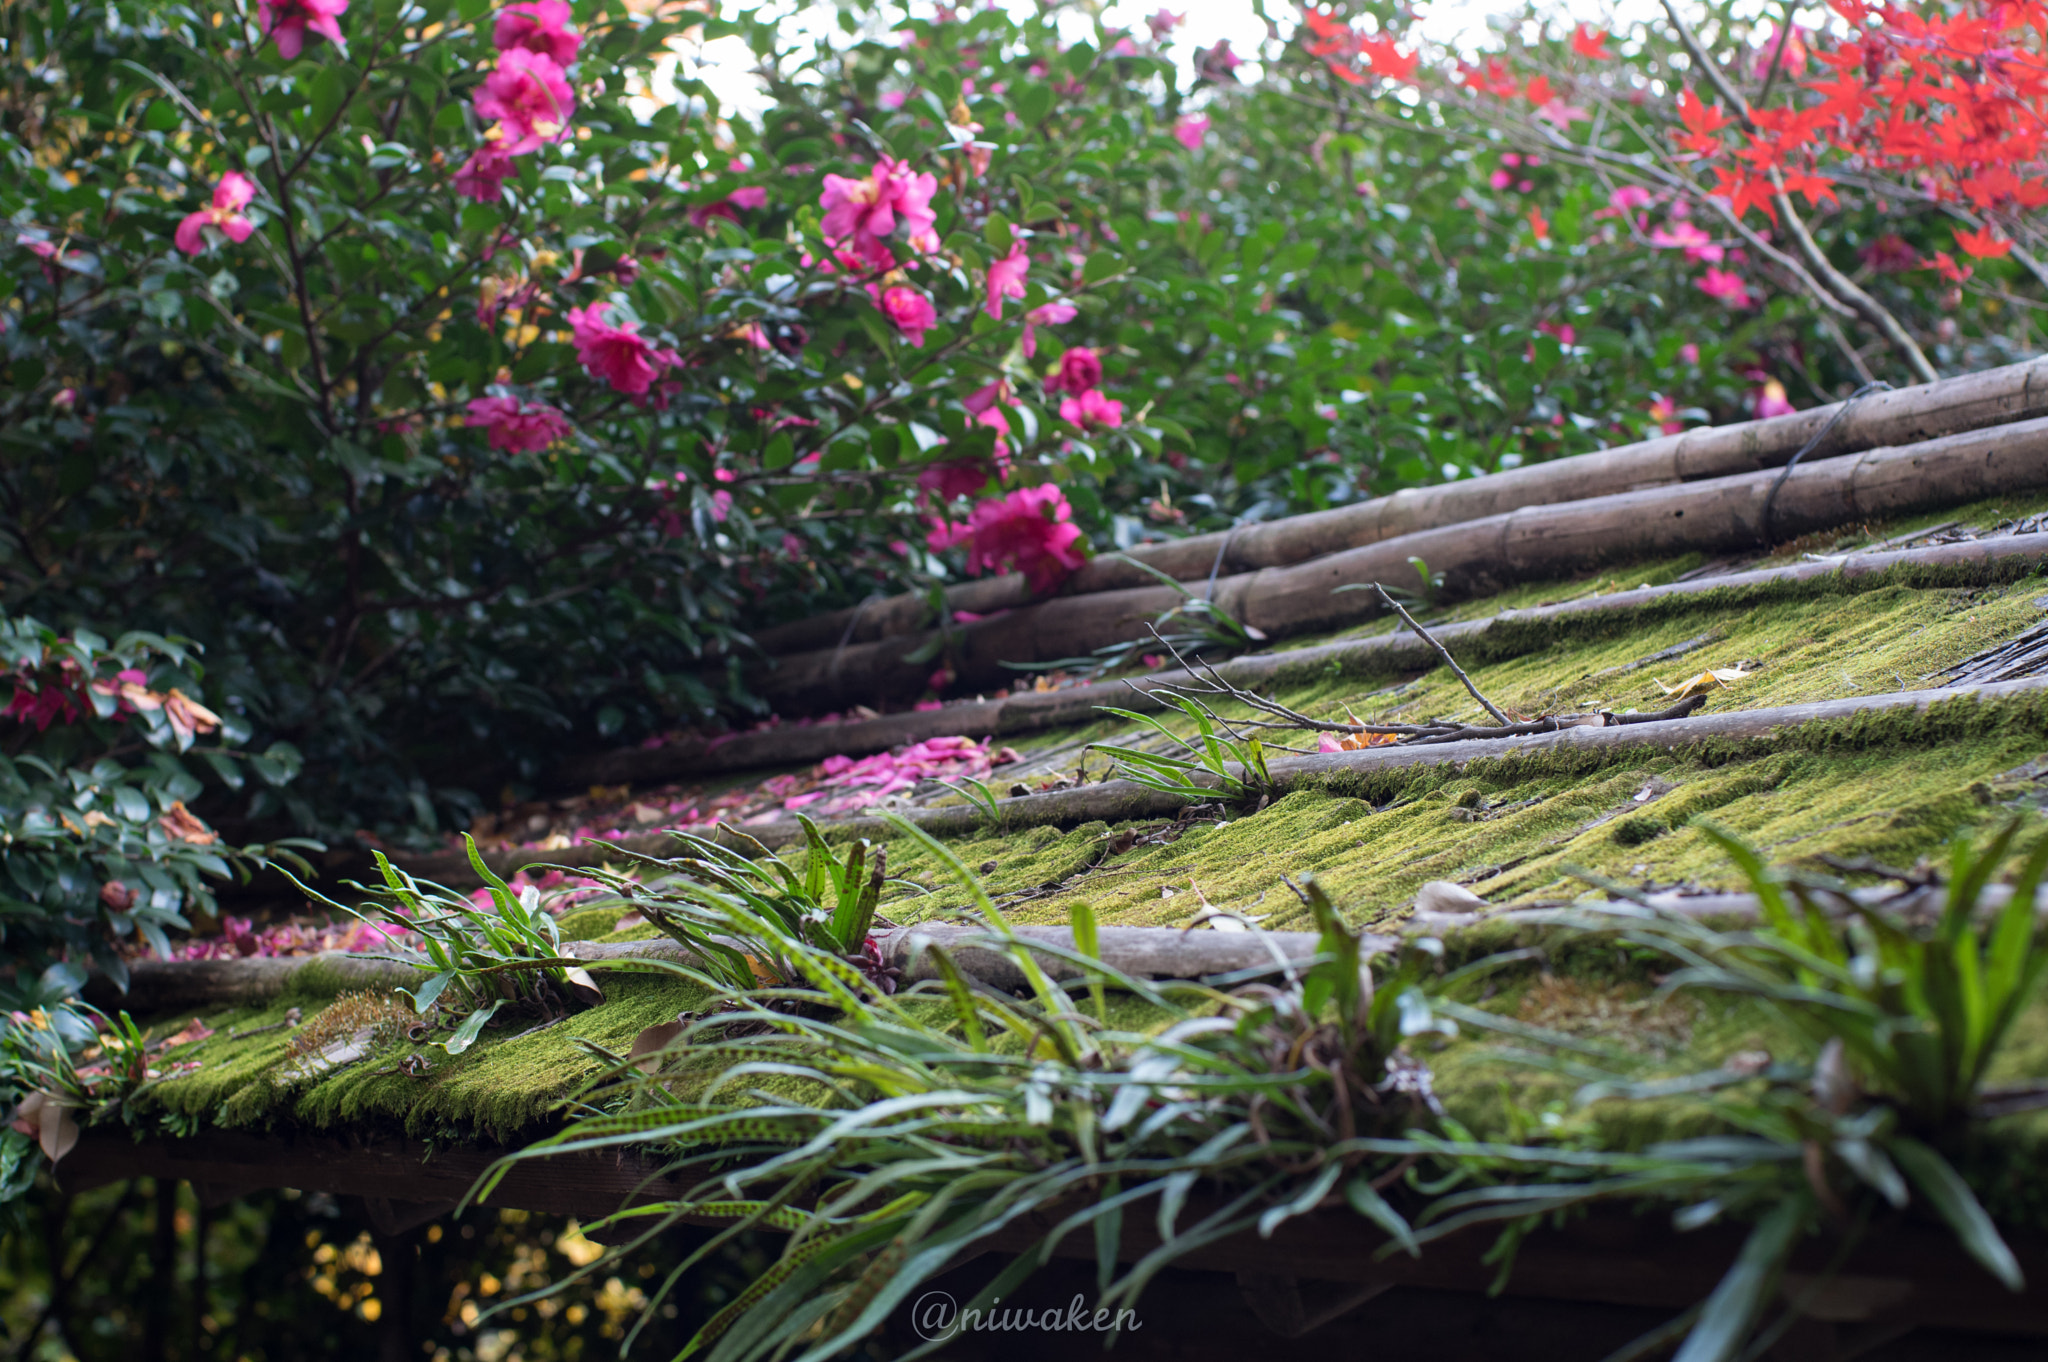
1840, 284
1445, 654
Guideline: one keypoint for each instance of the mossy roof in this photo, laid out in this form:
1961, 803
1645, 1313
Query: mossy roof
1893, 786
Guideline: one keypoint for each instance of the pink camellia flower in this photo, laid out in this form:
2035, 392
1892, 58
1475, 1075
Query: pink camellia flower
1623, 201
1792, 63
1006, 279
1000, 424
748, 197
530, 97
1769, 400
234, 193
859, 213
289, 21
1689, 352
52, 703
953, 478
1191, 130
1092, 409
1080, 369
1050, 314
1665, 413
616, 354
1697, 244
985, 397
1725, 285
482, 176
1162, 23
911, 311
1031, 530
517, 427
538, 26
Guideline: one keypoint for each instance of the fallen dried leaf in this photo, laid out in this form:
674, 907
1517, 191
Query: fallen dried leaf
651, 1042
582, 987
1720, 678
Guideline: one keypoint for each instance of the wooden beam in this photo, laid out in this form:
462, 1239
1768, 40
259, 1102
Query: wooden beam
1905, 1272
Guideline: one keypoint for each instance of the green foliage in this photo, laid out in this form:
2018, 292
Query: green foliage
1236, 765
101, 752
704, 896
482, 957
918, 1126
1919, 1008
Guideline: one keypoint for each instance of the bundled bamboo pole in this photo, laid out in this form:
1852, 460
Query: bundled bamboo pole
1975, 562
1903, 416
1474, 558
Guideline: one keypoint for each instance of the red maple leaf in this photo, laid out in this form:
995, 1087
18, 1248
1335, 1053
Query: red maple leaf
1387, 60
1745, 192
1492, 79
1591, 43
1790, 127
1323, 25
1990, 185
1944, 264
1538, 91
1703, 124
1814, 187
1982, 243
1846, 98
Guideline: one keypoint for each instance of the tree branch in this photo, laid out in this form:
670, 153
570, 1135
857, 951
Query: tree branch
1838, 283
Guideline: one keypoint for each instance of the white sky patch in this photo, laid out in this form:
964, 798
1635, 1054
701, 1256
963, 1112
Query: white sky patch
1466, 27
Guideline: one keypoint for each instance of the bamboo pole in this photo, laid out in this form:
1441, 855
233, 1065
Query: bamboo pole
1118, 801
1904, 416
1474, 558
1974, 562
156, 987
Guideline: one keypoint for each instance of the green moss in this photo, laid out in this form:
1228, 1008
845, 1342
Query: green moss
508, 1082
590, 924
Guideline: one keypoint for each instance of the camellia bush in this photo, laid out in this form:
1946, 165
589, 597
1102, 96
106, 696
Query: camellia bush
470, 382
103, 857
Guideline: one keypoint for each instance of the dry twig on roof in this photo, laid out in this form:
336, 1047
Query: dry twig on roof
1445, 653
1286, 718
